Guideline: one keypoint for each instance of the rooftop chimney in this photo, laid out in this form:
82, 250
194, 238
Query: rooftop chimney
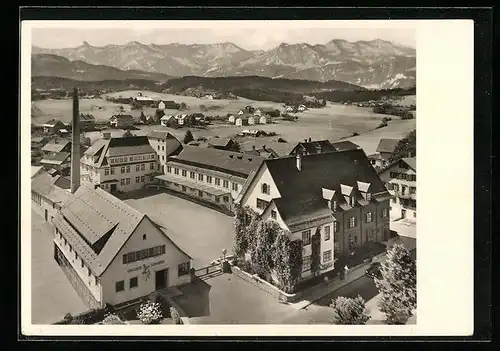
75, 145
309, 139
264, 147
253, 147
298, 161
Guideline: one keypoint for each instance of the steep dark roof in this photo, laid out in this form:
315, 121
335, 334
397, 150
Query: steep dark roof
223, 142
412, 162
234, 163
119, 147
52, 146
86, 118
315, 147
63, 182
301, 191
57, 156
122, 117
345, 145
387, 145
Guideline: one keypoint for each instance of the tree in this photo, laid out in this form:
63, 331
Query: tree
405, 147
188, 137
349, 311
315, 253
183, 106
398, 285
240, 238
159, 114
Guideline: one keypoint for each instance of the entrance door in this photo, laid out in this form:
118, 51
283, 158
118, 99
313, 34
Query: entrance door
46, 216
403, 213
161, 279
113, 187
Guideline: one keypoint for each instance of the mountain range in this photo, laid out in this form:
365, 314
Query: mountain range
376, 64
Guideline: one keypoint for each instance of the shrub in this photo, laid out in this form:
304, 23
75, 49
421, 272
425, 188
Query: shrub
112, 319
281, 140
349, 311
150, 313
176, 317
164, 305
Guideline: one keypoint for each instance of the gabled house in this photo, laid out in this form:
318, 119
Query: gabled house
309, 147
251, 120
87, 122
241, 121
112, 252
335, 195
222, 143
121, 121
386, 148
54, 127
344, 145
301, 108
263, 119
59, 161
231, 119
164, 120
55, 146
240, 112
400, 178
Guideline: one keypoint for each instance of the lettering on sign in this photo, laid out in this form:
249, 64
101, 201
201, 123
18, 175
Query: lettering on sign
134, 269
157, 263
326, 265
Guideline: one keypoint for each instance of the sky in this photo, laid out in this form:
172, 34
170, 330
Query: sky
262, 36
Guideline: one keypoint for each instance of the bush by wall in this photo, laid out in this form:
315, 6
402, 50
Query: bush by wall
150, 313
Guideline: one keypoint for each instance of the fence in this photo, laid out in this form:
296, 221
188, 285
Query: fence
207, 271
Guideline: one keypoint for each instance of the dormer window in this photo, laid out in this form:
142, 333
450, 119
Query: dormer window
368, 197
265, 189
353, 201
334, 205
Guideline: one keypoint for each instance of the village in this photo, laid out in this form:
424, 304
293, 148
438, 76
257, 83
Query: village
128, 222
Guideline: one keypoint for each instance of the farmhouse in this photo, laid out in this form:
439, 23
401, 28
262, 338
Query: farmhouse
263, 119
164, 120
121, 121
56, 145
54, 127
301, 108
47, 195
165, 145
308, 147
264, 152
231, 119
144, 101
119, 164
241, 121
87, 122
335, 196
345, 145
59, 161
261, 111
386, 148
161, 105
112, 253
251, 120
240, 112
211, 175
222, 143
400, 178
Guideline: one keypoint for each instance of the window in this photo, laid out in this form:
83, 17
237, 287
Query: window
143, 236
368, 217
217, 181
209, 179
306, 237
273, 214
112, 170
128, 169
336, 248
89, 272
143, 167
235, 186
403, 176
327, 232
414, 214
158, 147
226, 198
169, 169
353, 201
395, 187
388, 186
393, 175
191, 175
306, 263
370, 235
353, 240
352, 222
106, 171
200, 193
393, 200
127, 181
143, 254
217, 199
384, 212
327, 256
261, 204
130, 159
265, 189
120, 286
83, 264
184, 173
183, 269
200, 177
368, 197
137, 179
151, 166
225, 184
137, 168
133, 282
122, 169
176, 171
413, 190
163, 148
122, 181
335, 226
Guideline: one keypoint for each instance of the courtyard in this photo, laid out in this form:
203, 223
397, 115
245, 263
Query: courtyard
52, 295
202, 232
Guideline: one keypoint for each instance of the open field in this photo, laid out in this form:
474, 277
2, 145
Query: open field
45, 110
408, 100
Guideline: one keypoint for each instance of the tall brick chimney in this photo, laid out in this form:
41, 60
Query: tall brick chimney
75, 145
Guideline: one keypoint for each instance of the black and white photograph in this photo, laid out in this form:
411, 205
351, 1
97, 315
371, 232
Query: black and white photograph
225, 174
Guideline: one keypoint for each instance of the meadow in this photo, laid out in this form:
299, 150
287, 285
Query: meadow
333, 122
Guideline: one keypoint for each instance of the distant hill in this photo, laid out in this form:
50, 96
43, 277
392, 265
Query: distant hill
49, 65
65, 84
375, 64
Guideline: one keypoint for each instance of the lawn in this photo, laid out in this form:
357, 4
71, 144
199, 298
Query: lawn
201, 231
52, 295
